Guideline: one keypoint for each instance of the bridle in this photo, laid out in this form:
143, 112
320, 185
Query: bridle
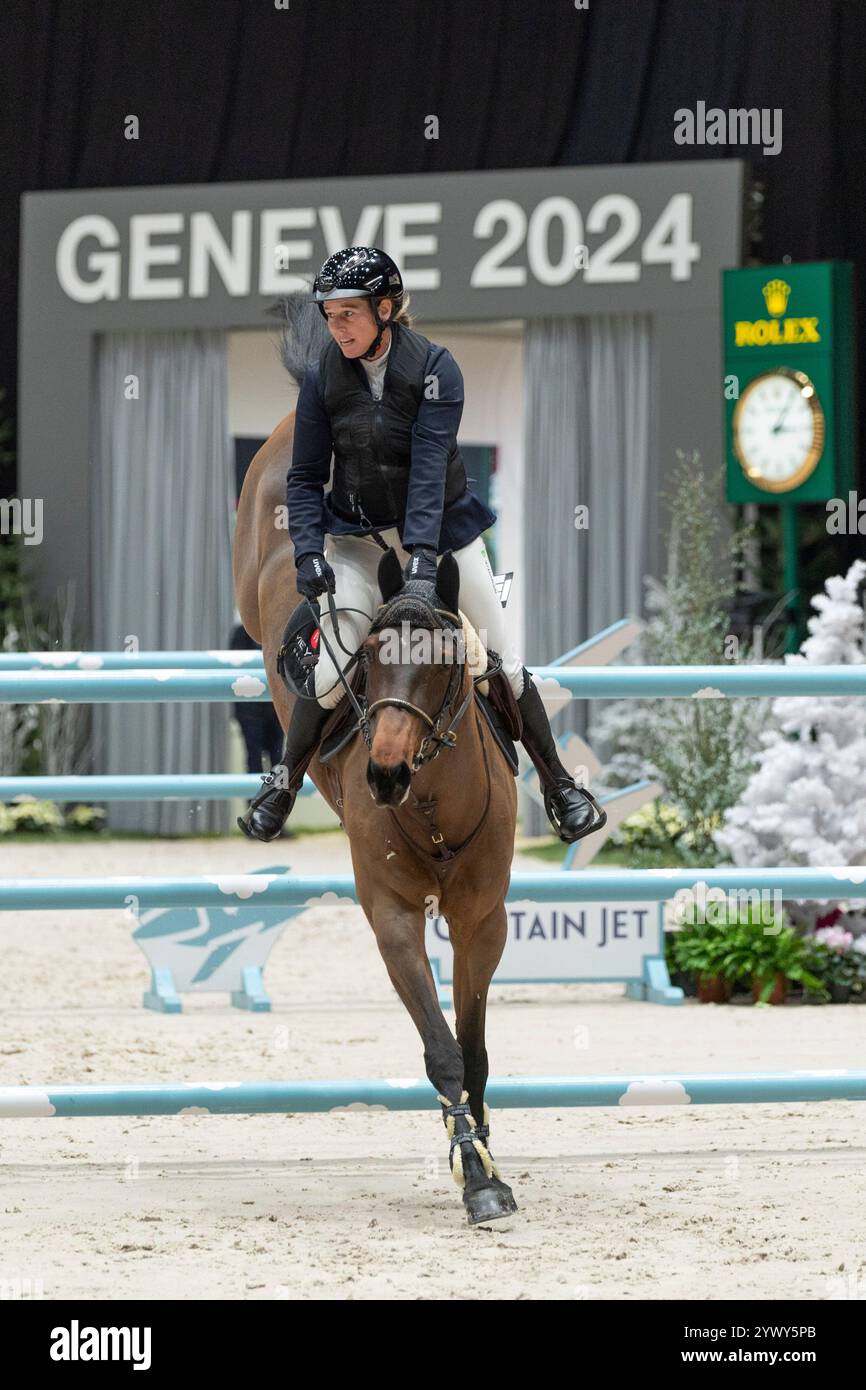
436, 738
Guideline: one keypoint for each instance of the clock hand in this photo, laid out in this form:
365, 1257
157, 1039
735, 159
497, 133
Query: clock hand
785, 409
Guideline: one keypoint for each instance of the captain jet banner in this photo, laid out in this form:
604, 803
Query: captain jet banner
568, 942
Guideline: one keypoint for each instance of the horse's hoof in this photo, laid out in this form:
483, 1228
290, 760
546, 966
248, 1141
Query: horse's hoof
489, 1203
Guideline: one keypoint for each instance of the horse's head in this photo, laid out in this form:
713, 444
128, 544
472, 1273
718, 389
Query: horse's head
414, 656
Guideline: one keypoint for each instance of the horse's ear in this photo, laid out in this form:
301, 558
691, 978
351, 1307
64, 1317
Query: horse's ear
448, 581
390, 574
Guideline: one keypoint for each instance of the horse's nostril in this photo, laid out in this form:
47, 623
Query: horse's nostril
388, 784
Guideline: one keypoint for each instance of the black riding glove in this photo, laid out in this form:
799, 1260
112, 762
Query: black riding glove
314, 575
422, 563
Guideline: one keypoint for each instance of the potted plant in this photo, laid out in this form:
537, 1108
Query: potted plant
684, 978
699, 949
817, 963
858, 951
835, 961
771, 956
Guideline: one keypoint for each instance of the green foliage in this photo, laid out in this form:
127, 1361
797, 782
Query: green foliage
835, 967
656, 826
84, 819
743, 946
701, 750
700, 949
659, 829
759, 953
13, 589
31, 817
701, 568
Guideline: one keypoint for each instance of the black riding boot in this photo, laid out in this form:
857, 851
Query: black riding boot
269, 810
572, 811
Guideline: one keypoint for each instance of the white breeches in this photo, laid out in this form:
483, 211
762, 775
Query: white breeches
355, 562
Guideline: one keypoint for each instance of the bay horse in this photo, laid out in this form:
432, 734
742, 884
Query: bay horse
440, 835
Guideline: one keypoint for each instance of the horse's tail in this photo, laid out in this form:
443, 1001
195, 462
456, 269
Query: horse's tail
304, 335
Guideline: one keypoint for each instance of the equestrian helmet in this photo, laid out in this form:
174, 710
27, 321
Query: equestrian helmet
358, 271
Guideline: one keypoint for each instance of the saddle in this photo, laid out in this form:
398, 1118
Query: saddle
498, 708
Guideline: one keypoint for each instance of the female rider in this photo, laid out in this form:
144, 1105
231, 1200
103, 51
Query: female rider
387, 403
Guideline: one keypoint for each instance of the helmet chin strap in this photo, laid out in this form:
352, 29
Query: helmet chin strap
381, 325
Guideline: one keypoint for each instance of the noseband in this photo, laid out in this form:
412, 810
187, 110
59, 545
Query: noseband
436, 738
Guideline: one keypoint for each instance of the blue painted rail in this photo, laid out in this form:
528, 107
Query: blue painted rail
129, 661
297, 890
506, 1093
586, 682
168, 786
132, 687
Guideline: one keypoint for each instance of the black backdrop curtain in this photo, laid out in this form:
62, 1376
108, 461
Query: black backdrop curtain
238, 89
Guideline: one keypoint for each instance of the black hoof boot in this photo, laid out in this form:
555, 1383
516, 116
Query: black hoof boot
573, 811
268, 811
485, 1196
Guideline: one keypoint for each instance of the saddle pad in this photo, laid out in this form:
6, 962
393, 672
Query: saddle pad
342, 724
498, 730
339, 737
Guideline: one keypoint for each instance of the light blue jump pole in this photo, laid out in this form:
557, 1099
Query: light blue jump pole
583, 683
505, 1093
297, 890
129, 661
167, 786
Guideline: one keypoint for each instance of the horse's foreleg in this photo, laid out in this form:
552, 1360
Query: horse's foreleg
477, 953
400, 937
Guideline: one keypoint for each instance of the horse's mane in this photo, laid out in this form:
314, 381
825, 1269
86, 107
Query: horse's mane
304, 335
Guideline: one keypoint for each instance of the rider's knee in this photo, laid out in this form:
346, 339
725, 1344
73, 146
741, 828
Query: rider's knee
329, 689
514, 672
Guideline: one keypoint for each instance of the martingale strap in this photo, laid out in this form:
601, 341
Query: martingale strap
442, 856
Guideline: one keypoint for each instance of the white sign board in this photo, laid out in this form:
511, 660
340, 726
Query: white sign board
568, 942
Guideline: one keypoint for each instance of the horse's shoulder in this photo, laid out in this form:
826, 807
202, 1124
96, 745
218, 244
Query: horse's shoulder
280, 440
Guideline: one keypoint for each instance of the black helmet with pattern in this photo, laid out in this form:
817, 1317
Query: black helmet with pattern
360, 271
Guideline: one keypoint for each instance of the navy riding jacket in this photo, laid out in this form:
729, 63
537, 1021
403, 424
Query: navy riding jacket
427, 521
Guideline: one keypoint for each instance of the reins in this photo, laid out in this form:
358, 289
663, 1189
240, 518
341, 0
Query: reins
436, 737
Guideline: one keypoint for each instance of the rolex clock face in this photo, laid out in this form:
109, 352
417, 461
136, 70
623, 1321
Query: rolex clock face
778, 430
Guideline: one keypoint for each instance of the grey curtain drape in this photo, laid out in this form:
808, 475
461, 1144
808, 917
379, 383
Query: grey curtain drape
590, 441
164, 490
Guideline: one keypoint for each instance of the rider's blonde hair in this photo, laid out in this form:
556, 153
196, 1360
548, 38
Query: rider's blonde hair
402, 316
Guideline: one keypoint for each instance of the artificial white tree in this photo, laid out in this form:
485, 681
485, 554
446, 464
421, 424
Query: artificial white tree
805, 803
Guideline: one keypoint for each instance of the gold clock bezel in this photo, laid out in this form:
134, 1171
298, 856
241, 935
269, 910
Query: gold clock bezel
754, 475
